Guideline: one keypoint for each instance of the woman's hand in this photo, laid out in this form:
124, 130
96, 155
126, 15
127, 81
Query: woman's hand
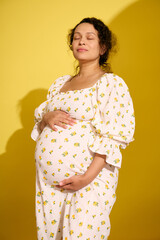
58, 117
75, 182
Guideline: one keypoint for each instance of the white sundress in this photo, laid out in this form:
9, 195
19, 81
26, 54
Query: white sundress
105, 123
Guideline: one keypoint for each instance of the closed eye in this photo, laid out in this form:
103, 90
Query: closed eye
79, 38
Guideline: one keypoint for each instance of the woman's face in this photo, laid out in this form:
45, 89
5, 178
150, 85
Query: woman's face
85, 44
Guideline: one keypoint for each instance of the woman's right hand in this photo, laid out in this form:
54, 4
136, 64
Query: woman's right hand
58, 117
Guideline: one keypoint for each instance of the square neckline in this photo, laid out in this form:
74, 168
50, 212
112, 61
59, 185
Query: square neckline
78, 90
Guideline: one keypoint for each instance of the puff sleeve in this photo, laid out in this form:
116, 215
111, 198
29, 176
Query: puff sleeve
114, 122
42, 109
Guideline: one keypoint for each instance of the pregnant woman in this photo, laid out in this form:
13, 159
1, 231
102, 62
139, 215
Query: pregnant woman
79, 131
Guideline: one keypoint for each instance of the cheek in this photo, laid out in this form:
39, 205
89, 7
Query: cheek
95, 49
94, 45
74, 43
74, 47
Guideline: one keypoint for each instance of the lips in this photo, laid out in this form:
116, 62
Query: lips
82, 50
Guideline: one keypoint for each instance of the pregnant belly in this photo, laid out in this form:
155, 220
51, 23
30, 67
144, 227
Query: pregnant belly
62, 154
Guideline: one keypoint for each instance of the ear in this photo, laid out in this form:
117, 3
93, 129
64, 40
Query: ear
103, 49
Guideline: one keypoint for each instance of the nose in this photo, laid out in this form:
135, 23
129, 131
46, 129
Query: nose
82, 42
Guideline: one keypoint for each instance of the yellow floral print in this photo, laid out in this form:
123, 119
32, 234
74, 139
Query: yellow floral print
105, 123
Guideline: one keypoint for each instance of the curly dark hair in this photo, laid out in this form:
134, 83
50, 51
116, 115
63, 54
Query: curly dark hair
106, 38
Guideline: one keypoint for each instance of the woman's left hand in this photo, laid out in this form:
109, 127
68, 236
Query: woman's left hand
75, 182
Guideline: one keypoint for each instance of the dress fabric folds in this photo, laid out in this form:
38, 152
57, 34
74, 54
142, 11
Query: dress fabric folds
105, 124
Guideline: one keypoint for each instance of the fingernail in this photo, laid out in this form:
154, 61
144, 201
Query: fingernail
60, 183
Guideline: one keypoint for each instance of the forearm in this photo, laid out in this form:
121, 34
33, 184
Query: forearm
95, 167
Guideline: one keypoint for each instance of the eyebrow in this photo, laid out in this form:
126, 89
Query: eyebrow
87, 32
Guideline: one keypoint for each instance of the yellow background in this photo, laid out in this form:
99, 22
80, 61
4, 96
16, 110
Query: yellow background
34, 53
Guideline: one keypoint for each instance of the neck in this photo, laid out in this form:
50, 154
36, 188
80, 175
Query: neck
88, 69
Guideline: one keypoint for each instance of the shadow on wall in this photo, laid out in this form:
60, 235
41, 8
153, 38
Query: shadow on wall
137, 62
18, 175
136, 212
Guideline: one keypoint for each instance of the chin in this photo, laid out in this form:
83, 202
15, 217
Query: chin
84, 59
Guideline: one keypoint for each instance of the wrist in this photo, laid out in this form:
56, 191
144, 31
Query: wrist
42, 124
44, 118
